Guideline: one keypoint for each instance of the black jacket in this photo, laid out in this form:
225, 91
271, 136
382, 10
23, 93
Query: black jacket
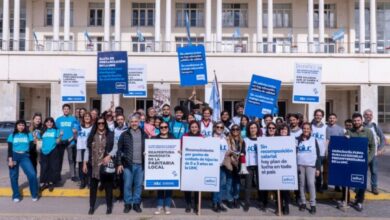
109, 143
124, 154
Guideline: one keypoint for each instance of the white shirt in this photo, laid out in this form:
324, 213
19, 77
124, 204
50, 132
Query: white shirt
82, 137
307, 153
319, 133
206, 131
251, 152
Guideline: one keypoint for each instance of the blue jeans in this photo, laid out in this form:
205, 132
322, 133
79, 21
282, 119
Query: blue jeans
164, 200
221, 195
24, 161
232, 185
373, 166
133, 177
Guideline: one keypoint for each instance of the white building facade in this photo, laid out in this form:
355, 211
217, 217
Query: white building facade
242, 37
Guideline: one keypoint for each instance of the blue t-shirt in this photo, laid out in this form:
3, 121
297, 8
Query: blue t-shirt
20, 141
178, 128
66, 124
49, 139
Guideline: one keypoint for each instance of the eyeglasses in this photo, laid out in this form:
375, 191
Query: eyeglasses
219, 127
100, 123
164, 127
271, 128
235, 129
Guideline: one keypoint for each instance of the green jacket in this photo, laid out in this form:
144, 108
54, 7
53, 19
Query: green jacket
367, 133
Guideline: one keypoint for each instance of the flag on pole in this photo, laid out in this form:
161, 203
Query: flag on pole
86, 35
140, 36
237, 33
187, 21
215, 100
35, 38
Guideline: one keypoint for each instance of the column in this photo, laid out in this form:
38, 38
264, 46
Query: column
208, 25
9, 102
168, 16
157, 26
351, 27
270, 33
219, 25
362, 26
259, 26
5, 42
67, 25
368, 98
321, 26
56, 25
373, 26
55, 99
16, 25
321, 105
310, 25
117, 24
107, 23
30, 42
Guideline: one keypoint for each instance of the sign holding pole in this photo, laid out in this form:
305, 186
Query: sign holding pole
307, 83
112, 72
73, 86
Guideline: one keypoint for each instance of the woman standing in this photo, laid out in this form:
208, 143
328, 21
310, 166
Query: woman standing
82, 138
253, 133
308, 161
19, 143
35, 129
206, 124
243, 125
236, 149
218, 132
50, 136
100, 143
164, 197
284, 130
194, 132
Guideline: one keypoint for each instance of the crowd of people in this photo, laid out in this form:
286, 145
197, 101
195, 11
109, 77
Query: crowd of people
108, 151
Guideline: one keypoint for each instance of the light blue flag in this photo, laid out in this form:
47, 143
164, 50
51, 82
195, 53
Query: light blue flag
237, 33
88, 37
187, 20
140, 36
215, 101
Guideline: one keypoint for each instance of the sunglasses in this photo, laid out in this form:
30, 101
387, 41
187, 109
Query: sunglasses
164, 127
271, 128
235, 129
100, 123
219, 127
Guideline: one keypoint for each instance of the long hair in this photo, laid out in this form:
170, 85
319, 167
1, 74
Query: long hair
21, 121
32, 127
189, 128
45, 127
259, 131
231, 140
267, 132
281, 127
83, 118
95, 127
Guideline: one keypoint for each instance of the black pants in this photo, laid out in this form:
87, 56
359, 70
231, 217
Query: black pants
188, 198
71, 150
285, 199
360, 195
251, 181
34, 156
108, 186
48, 167
84, 178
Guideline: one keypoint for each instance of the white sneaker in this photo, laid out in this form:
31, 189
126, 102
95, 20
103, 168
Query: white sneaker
158, 212
16, 200
34, 199
167, 211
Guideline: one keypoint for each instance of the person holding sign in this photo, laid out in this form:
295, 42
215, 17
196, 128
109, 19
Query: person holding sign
164, 197
178, 126
218, 132
206, 124
194, 132
359, 130
308, 160
253, 132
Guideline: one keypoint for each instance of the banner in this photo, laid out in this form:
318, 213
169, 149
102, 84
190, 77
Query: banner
112, 72
262, 96
277, 161
161, 95
192, 65
307, 83
200, 164
73, 88
348, 161
137, 82
162, 164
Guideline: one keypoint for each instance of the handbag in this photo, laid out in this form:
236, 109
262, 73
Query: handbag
108, 169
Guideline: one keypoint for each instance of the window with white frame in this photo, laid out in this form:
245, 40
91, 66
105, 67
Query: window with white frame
279, 45
183, 41
49, 16
329, 15
147, 45
235, 15
96, 14
383, 104
282, 15
61, 44
195, 13
142, 14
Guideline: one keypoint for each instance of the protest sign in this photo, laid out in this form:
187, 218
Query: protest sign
192, 65
277, 163
112, 72
200, 164
348, 161
161, 95
73, 88
162, 164
262, 96
307, 83
137, 84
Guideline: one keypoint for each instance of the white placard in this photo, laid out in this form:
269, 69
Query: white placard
137, 82
162, 164
307, 83
200, 164
73, 88
277, 163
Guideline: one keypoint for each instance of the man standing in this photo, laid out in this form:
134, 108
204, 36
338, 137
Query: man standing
130, 159
66, 123
380, 140
319, 133
359, 131
239, 108
166, 113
